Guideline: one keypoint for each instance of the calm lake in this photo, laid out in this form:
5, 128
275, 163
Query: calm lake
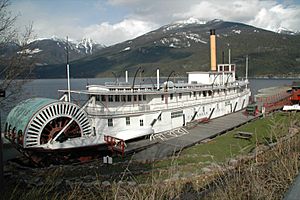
49, 88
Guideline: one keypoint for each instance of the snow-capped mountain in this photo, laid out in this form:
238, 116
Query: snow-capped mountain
48, 51
283, 30
180, 46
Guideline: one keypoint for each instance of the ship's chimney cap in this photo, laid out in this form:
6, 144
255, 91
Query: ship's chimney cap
212, 31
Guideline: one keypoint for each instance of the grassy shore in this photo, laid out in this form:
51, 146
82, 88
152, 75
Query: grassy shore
226, 167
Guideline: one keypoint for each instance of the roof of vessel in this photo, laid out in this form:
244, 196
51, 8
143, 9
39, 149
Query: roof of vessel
20, 116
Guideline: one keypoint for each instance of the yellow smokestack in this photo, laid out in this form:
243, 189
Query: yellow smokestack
213, 51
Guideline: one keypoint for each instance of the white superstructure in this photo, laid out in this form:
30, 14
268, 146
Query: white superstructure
127, 112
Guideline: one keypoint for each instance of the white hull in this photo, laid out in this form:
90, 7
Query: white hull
164, 119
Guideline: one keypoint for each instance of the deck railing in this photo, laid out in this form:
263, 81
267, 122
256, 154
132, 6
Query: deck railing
141, 108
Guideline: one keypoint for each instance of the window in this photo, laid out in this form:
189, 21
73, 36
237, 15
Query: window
171, 96
199, 94
190, 94
180, 95
176, 114
110, 122
144, 97
127, 121
110, 98
123, 98
194, 94
117, 98
140, 97
141, 122
129, 98
134, 97
204, 93
103, 98
162, 97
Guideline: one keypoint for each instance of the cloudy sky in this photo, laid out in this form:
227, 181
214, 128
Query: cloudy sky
113, 21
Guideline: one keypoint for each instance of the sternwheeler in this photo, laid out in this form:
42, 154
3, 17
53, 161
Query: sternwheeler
120, 113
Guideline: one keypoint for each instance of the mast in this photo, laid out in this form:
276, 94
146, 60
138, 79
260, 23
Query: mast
157, 79
68, 71
229, 56
126, 76
247, 60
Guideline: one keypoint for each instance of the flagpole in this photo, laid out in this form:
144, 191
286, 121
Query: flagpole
68, 72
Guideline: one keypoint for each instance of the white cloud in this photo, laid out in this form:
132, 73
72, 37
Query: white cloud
268, 14
278, 16
123, 2
107, 33
141, 16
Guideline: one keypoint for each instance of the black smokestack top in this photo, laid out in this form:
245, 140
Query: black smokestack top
212, 32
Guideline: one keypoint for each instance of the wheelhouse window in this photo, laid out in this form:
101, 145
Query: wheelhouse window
134, 97
129, 98
103, 98
110, 98
127, 121
123, 98
110, 122
140, 97
141, 122
144, 97
117, 98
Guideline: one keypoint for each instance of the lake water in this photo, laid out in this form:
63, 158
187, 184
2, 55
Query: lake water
49, 88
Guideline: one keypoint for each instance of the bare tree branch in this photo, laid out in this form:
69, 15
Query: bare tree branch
15, 66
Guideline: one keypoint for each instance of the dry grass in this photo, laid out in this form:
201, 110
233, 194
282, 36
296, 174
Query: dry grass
266, 173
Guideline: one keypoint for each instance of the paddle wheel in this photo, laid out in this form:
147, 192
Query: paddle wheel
36, 124
55, 126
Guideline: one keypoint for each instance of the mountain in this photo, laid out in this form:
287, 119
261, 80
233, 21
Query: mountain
184, 46
49, 51
283, 30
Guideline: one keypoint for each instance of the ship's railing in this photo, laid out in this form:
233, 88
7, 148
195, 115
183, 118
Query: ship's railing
140, 108
178, 88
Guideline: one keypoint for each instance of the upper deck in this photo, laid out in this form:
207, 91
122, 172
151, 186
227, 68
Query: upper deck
224, 78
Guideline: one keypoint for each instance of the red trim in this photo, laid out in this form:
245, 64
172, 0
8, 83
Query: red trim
115, 144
